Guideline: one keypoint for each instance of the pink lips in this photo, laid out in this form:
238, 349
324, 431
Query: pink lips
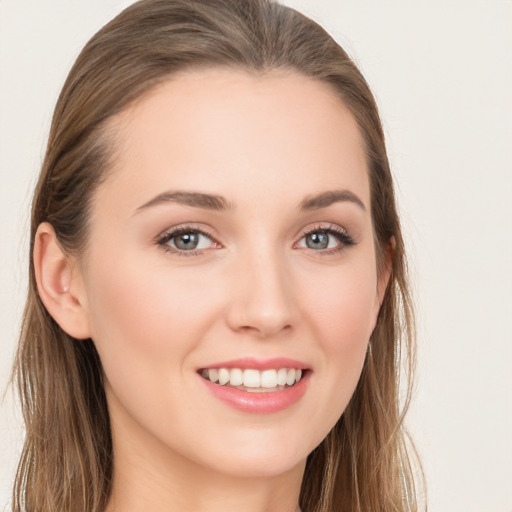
264, 402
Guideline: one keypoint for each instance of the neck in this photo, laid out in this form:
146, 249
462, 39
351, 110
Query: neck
184, 488
149, 476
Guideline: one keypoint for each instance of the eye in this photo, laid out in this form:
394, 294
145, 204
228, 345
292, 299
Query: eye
331, 239
186, 241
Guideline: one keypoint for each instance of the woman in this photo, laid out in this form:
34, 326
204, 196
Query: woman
218, 300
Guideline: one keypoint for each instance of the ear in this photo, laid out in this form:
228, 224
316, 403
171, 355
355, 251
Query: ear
383, 277
59, 283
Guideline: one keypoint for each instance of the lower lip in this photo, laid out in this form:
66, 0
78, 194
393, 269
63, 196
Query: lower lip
255, 402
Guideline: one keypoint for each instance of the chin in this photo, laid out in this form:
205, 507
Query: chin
259, 456
261, 467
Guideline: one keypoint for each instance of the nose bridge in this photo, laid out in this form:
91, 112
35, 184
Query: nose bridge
263, 302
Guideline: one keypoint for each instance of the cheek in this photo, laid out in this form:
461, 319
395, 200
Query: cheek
345, 326
144, 322
344, 306
342, 316
132, 302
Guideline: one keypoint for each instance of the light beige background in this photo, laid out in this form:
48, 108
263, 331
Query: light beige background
442, 74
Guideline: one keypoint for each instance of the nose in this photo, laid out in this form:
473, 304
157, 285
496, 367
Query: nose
262, 302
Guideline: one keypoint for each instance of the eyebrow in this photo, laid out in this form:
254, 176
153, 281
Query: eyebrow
194, 199
215, 202
325, 199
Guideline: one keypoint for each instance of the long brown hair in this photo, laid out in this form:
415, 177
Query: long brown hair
67, 460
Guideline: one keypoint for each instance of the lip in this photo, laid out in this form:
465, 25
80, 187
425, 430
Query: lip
259, 402
259, 364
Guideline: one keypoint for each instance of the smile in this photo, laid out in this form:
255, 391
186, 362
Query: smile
255, 386
253, 380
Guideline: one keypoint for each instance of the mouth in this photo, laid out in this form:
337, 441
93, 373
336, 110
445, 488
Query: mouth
257, 386
252, 380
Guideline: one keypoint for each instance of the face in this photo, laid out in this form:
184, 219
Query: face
232, 240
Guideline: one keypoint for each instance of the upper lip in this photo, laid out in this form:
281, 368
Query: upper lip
259, 364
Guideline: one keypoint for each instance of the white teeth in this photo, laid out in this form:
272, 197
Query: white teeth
269, 379
223, 376
290, 377
236, 377
281, 376
254, 379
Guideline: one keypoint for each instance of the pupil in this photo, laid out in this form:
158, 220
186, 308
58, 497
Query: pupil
187, 241
318, 240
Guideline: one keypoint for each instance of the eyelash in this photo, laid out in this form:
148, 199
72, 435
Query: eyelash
339, 233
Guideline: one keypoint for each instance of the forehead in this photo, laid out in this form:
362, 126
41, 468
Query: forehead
223, 130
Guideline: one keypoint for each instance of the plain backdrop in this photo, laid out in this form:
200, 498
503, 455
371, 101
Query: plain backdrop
442, 75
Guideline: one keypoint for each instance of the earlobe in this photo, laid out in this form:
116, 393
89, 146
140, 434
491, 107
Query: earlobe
58, 283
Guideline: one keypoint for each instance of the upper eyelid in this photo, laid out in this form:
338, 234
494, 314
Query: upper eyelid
329, 227
174, 231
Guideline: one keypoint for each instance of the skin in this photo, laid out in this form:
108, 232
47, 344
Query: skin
256, 289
